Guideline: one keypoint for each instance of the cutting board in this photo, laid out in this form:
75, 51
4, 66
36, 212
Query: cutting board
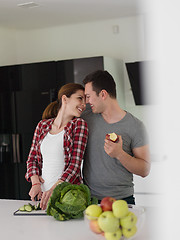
32, 213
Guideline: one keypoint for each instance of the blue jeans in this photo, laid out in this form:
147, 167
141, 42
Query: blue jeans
130, 200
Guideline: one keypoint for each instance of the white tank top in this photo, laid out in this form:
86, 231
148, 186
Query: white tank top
53, 159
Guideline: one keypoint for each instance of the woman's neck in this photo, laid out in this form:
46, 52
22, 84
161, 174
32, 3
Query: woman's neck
60, 121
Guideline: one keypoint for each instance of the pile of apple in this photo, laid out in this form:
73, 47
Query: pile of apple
112, 218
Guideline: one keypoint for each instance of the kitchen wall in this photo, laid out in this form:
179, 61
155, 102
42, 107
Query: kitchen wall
8, 48
74, 41
125, 38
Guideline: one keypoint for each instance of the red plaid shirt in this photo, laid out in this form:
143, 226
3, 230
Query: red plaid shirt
75, 140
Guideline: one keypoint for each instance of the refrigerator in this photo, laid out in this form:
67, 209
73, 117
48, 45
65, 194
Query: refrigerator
21, 109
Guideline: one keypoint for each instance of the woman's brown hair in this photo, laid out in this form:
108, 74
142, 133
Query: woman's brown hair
52, 109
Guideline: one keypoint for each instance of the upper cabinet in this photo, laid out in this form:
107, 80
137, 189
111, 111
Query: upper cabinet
75, 70
38, 76
84, 66
10, 79
28, 77
48, 77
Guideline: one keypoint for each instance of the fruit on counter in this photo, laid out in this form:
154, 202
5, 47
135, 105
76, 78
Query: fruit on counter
129, 232
94, 226
108, 222
93, 211
120, 208
115, 224
112, 136
106, 203
129, 221
113, 235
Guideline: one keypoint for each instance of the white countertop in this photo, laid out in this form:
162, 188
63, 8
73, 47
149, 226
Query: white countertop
46, 227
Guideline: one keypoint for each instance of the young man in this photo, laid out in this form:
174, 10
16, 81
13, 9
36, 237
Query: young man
109, 167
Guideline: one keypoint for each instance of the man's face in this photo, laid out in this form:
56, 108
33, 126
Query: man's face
92, 98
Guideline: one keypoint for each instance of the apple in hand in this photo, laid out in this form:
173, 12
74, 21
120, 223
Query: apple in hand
129, 232
120, 208
108, 222
106, 203
113, 235
129, 221
113, 137
93, 211
94, 226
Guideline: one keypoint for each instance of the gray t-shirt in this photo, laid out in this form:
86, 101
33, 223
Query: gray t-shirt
106, 176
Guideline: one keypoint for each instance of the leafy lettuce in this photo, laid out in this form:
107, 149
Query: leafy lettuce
68, 201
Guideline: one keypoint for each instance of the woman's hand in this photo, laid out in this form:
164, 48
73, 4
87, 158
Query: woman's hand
46, 195
35, 191
45, 198
36, 187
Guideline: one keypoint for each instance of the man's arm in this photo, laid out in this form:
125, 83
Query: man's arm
139, 164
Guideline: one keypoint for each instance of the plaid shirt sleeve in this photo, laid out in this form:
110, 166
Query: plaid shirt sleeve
75, 140
34, 162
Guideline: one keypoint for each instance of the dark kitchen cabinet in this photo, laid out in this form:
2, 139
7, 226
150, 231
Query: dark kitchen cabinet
10, 78
84, 66
27, 90
38, 76
75, 70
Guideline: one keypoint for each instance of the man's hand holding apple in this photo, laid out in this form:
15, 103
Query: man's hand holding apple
113, 149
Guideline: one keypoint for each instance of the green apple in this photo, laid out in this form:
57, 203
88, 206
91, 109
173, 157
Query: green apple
120, 208
129, 221
93, 211
108, 222
113, 235
129, 232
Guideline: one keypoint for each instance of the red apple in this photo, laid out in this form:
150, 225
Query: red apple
106, 203
112, 137
94, 226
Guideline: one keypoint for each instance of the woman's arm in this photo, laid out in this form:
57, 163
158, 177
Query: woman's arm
33, 167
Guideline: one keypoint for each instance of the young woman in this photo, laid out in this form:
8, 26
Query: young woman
58, 144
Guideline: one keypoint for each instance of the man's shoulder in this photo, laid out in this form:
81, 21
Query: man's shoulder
131, 117
135, 125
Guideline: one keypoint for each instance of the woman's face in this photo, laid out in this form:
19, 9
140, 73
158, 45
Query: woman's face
76, 103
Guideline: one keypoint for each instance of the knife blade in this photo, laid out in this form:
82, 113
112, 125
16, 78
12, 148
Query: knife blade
36, 202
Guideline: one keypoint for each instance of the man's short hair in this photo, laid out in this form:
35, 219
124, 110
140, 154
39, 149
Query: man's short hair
101, 80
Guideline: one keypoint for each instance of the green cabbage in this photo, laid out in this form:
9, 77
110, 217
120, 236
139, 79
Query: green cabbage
68, 201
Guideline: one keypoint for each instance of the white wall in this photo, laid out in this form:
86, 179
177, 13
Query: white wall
8, 49
74, 41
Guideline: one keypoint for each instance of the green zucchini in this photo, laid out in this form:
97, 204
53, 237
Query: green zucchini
22, 208
28, 208
38, 207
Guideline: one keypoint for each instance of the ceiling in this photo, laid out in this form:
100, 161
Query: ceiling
49, 13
